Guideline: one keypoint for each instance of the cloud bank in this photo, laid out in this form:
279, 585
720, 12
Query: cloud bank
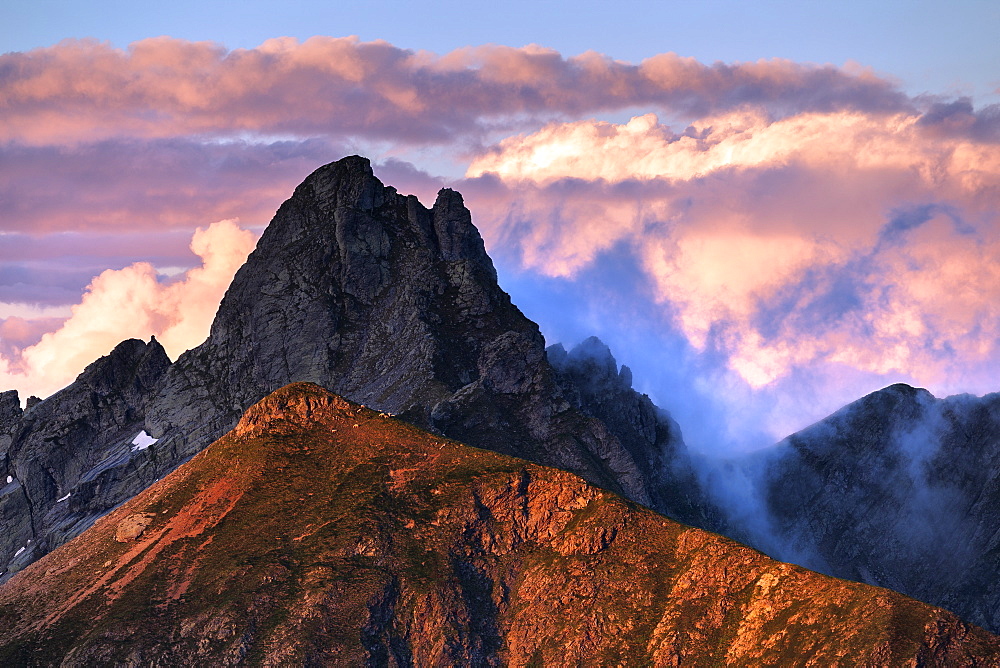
126, 185
166, 87
842, 239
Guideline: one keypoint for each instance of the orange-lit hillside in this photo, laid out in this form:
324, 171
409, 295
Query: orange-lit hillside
322, 532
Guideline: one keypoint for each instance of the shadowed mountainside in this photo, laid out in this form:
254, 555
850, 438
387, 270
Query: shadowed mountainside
320, 532
66, 460
898, 489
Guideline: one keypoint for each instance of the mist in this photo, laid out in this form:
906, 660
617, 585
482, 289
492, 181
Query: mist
891, 489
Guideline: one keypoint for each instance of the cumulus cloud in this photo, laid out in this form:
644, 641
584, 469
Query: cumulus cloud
798, 219
857, 241
134, 302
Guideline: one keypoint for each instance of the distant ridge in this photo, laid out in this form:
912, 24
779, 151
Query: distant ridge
901, 490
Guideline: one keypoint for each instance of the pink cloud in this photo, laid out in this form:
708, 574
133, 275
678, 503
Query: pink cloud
133, 302
130, 185
840, 240
17, 333
341, 87
777, 230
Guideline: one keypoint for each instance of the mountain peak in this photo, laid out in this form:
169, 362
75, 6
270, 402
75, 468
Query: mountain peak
10, 407
457, 238
131, 360
349, 181
591, 357
905, 392
370, 294
293, 405
362, 290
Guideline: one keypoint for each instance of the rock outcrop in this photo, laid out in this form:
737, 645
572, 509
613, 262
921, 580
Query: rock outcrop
368, 293
898, 489
319, 532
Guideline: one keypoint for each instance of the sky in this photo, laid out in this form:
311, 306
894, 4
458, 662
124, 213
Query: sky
765, 209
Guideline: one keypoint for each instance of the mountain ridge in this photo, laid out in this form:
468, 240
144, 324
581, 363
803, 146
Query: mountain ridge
371, 294
320, 531
70, 458
898, 489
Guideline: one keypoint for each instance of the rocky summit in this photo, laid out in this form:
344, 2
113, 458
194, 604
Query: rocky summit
320, 532
370, 294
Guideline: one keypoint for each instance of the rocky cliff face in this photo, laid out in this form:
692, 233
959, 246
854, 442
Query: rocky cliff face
66, 460
368, 293
394, 305
899, 489
319, 532
353, 286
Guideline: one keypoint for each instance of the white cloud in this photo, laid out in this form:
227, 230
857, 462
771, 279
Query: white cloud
134, 303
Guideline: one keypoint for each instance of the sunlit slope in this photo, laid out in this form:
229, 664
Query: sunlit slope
320, 532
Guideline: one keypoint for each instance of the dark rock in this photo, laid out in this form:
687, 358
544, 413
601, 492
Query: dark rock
10, 419
368, 293
591, 381
10, 411
898, 489
71, 458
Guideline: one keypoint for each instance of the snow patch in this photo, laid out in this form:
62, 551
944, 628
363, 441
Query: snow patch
142, 441
64, 498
